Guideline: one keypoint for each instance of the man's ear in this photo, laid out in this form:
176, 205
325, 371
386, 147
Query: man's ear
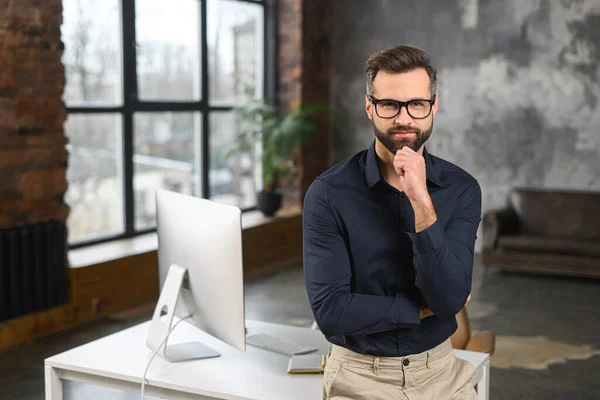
435, 105
368, 108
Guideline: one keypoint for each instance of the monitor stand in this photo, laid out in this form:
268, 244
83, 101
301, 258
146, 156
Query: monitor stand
160, 327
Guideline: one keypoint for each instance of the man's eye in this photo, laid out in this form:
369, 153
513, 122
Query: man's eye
389, 104
417, 104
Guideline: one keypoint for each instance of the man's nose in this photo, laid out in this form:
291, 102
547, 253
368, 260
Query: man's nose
403, 118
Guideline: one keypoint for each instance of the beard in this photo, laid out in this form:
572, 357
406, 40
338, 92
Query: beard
393, 143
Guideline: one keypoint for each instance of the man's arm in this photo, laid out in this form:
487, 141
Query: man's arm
443, 257
327, 273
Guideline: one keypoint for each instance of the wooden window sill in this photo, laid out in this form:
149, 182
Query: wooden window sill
114, 250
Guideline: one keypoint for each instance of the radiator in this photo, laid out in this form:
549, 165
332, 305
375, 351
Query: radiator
33, 268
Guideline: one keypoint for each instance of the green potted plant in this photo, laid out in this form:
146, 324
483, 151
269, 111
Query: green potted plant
273, 136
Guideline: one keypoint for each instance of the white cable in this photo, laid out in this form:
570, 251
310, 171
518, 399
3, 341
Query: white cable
156, 351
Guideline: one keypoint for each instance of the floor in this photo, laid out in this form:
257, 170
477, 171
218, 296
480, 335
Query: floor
536, 318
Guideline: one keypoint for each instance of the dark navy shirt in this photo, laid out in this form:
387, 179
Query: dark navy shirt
366, 270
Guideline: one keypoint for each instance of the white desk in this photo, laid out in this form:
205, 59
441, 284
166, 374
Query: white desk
118, 361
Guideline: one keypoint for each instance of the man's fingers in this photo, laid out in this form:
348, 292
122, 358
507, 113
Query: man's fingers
406, 152
399, 165
403, 165
406, 158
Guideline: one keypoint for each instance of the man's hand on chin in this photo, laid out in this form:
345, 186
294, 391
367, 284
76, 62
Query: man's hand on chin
410, 167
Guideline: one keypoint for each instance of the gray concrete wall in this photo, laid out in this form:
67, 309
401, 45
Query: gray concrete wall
519, 85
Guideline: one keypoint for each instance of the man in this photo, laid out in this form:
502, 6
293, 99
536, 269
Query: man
388, 247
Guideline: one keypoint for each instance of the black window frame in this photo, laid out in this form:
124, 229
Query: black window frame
132, 104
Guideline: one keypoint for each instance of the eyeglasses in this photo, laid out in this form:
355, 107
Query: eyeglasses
417, 108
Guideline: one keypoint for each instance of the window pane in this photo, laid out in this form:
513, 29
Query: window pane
235, 51
168, 52
91, 32
231, 176
95, 191
166, 151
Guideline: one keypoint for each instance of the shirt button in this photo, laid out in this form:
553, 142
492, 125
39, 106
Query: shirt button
405, 362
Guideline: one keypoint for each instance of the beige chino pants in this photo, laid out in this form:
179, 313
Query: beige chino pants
435, 374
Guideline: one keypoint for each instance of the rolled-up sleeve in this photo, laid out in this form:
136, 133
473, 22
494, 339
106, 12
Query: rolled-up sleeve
443, 256
327, 272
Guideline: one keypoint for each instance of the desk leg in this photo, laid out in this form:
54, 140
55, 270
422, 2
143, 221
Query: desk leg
53, 385
483, 386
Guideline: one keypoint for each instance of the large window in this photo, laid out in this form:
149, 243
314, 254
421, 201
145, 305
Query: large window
150, 90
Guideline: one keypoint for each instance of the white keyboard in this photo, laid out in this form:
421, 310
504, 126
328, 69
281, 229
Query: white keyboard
277, 345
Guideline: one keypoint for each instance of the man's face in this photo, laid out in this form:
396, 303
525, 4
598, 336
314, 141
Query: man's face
402, 130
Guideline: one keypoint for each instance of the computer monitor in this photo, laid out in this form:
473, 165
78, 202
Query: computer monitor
200, 274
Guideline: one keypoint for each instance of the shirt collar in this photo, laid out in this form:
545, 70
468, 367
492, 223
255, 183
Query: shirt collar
373, 174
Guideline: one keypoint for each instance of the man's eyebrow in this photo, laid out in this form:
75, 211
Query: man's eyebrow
411, 99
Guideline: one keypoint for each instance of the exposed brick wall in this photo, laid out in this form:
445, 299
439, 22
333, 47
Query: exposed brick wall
290, 52
289, 88
33, 157
304, 37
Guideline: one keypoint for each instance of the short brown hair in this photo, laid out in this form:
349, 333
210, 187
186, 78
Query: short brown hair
398, 59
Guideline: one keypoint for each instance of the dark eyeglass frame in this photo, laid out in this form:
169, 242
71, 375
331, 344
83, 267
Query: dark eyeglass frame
401, 104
